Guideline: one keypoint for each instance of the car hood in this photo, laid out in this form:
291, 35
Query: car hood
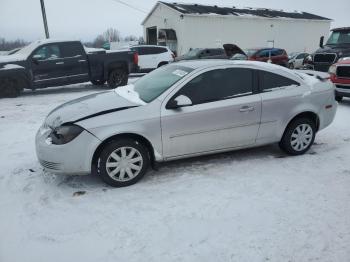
342, 50
12, 58
88, 107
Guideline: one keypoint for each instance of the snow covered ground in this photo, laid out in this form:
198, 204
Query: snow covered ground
251, 205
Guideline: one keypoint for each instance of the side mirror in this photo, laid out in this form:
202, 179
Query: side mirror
321, 41
178, 102
36, 58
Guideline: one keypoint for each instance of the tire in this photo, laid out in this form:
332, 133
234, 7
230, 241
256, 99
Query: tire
338, 98
291, 66
129, 172
10, 87
117, 77
98, 82
298, 136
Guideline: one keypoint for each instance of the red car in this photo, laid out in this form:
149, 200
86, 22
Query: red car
275, 55
340, 76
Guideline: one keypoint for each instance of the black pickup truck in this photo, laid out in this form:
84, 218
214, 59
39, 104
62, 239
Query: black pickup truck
47, 63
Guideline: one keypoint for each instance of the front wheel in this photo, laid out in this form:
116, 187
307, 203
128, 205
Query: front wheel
117, 77
291, 66
10, 87
123, 163
298, 137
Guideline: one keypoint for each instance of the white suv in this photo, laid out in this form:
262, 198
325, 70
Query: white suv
153, 56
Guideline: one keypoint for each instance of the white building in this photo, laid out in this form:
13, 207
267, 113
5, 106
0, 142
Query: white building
185, 26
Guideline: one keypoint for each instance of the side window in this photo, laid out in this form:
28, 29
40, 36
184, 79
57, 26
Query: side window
263, 53
159, 50
72, 49
269, 81
219, 84
48, 52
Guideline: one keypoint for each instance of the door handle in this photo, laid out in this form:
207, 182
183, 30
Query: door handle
82, 61
246, 109
60, 63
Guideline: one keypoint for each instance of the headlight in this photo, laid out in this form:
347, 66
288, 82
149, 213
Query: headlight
65, 133
344, 58
332, 69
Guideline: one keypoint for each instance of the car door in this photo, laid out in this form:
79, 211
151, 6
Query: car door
75, 62
280, 95
225, 113
47, 65
299, 60
263, 55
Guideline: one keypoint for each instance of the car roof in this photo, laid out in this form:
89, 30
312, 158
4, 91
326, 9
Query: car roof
205, 63
157, 46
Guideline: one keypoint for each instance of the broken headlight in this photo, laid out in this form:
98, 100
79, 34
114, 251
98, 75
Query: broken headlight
65, 133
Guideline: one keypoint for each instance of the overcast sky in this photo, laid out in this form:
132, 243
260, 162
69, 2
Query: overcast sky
84, 19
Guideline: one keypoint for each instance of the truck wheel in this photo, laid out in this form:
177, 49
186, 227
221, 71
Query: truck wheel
10, 87
117, 77
98, 82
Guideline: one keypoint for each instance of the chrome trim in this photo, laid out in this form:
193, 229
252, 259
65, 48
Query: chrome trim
60, 77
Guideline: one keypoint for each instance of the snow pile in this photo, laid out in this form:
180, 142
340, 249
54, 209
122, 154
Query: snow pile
251, 205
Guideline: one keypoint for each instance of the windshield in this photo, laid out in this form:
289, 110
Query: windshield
158, 81
192, 53
250, 52
339, 37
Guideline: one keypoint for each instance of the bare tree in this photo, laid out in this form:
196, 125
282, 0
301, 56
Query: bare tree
9, 45
99, 41
112, 35
130, 38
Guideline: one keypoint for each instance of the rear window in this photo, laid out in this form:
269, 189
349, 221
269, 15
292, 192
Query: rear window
71, 49
269, 81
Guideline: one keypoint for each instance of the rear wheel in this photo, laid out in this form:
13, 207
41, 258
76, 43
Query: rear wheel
123, 163
10, 87
117, 77
338, 98
298, 137
98, 82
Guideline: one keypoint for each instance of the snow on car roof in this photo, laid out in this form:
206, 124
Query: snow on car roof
198, 9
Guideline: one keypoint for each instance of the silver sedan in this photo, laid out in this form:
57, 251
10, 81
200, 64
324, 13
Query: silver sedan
183, 110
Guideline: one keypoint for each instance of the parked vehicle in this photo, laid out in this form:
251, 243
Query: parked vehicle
52, 63
229, 51
153, 56
185, 109
202, 53
340, 76
297, 60
272, 55
337, 46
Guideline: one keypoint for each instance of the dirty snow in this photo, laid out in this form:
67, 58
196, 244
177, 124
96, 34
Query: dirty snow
251, 205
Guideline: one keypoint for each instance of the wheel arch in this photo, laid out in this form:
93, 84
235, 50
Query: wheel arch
307, 114
139, 138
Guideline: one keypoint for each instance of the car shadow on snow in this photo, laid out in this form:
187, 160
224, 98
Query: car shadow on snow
194, 165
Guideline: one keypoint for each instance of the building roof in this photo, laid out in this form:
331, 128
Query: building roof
197, 9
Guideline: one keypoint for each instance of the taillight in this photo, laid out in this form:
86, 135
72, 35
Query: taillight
136, 58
